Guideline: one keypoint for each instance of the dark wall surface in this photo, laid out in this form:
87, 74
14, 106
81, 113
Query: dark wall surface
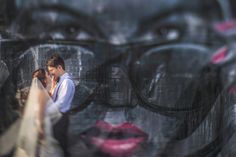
154, 78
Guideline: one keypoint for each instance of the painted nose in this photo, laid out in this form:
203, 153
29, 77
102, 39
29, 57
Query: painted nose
115, 117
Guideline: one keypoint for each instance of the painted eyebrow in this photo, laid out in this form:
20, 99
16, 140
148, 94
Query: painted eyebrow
147, 22
85, 21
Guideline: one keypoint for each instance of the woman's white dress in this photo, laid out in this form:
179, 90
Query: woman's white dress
28, 142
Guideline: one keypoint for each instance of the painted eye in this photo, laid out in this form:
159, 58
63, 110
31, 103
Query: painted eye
168, 33
71, 32
161, 33
51, 23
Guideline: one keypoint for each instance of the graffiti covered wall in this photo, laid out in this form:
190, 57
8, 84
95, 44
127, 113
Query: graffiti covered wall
153, 78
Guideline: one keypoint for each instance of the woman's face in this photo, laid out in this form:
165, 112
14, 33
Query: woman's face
144, 62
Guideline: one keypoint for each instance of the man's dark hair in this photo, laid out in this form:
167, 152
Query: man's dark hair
55, 60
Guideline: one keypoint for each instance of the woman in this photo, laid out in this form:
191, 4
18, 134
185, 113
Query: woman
35, 137
44, 79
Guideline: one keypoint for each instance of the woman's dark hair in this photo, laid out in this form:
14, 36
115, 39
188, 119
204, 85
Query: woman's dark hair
55, 60
40, 74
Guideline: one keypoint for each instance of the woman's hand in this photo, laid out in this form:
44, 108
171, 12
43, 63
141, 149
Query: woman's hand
53, 85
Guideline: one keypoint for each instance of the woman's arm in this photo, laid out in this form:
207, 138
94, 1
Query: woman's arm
41, 112
53, 86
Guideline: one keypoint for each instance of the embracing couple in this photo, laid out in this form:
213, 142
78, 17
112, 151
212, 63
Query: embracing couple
45, 121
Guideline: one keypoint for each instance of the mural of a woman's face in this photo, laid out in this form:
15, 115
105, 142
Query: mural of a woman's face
142, 70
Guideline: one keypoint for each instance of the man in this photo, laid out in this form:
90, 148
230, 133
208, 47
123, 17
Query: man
62, 96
